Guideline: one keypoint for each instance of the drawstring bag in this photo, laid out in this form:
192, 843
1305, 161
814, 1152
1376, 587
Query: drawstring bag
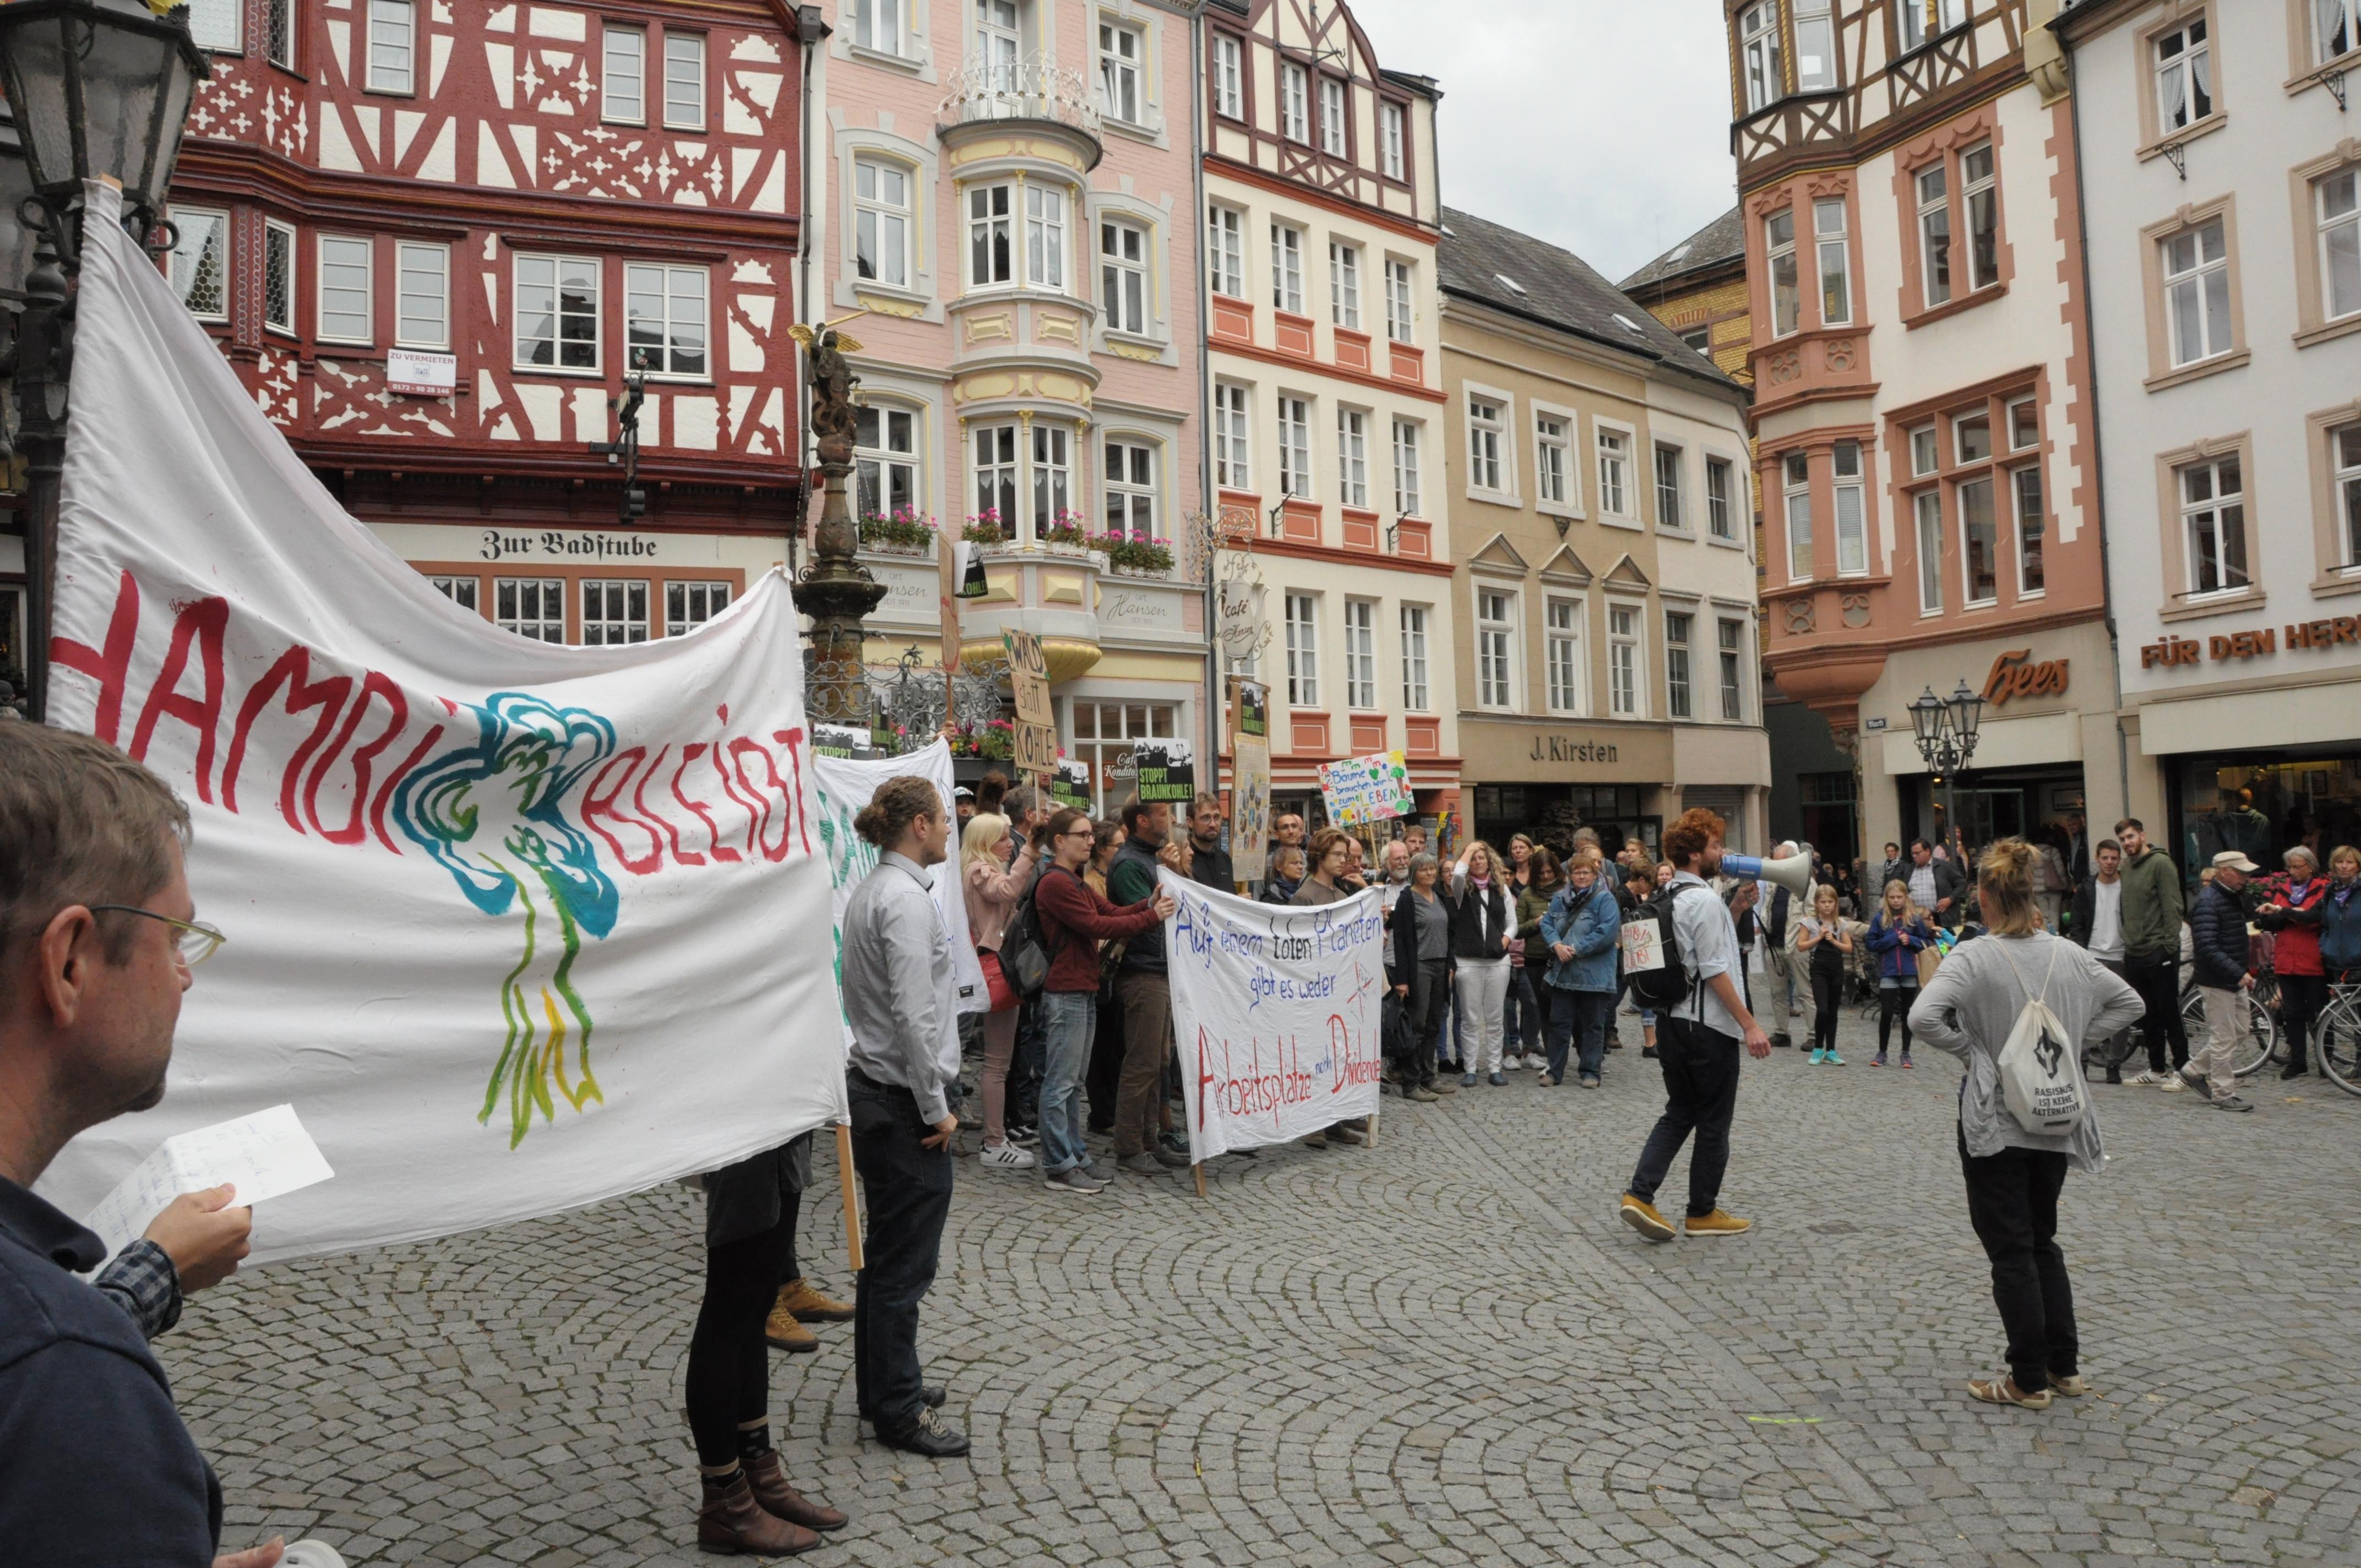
2039, 1076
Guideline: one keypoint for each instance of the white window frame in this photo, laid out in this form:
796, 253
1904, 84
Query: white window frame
2324, 35
2186, 69
1815, 25
1416, 690
1980, 193
1127, 279
1053, 476
1612, 447
1128, 495
557, 315
643, 277
417, 263
615, 625
1672, 499
1729, 666
281, 238
1926, 517
1553, 460
1848, 487
1345, 284
1294, 103
2197, 293
1680, 661
1123, 77
1787, 281
1294, 445
1393, 138
699, 602
1287, 268
1229, 77
2196, 514
1627, 659
1233, 436
995, 457
1302, 637
1353, 458
684, 54
999, 42
1760, 51
392, 48
1496, 609
1831, 230
217, 26
996, 227
879, 26
628, 106
1333, 99
1931, 185
1401, 302
1226, 252
2340, 229
188, 262
461, 591
1361, 655
880, 459
353, 250
1491, 452
1047, 221
1987, 481
1568, 688
1720, 498
1795, 507
548, 625
2029, 515
1408, 479
2344, 468
883, 227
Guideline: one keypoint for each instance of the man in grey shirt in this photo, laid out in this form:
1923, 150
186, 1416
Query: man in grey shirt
899, 996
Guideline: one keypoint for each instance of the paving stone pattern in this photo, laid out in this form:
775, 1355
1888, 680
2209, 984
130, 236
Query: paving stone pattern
1442, 1350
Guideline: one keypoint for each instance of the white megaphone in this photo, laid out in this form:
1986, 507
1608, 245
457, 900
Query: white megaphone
1794, 874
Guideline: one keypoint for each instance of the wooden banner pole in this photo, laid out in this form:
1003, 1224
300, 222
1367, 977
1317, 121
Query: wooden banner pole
1199, 1172
1373, 1129
844, 1176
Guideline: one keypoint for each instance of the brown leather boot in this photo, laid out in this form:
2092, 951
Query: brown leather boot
768, 1479
806, 1305
784, 1333
731, 1520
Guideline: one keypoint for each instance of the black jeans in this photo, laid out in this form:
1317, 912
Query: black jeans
1024, 1069
908, 1191
729, 1362
1700, 1096
1429, 1001
1106, 1076
2012, 1202
2157, 981
2302, 997
1827, 997
1892, 1005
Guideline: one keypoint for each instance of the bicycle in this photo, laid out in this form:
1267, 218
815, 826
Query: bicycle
2337, 1035
2259, 1042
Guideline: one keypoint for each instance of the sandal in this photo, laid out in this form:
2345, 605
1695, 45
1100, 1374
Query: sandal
2002, 1390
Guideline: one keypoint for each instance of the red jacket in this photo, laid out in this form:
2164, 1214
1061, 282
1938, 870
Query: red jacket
1074, 920
2295, 947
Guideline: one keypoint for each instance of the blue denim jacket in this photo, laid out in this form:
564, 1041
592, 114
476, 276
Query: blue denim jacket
1592, 925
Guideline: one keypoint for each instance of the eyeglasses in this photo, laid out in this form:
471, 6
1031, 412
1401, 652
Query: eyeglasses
191, 943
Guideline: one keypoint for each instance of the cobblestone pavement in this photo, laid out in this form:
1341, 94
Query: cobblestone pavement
1442, 1350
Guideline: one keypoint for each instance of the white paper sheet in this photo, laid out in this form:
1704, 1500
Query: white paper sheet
265, 1156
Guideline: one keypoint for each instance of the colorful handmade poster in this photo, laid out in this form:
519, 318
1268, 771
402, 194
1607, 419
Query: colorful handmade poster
1374, 788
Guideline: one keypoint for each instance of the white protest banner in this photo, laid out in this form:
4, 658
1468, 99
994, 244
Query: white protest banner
514, 927
1276, 1009
844, 786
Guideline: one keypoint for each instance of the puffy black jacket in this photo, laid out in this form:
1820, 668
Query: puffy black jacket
1481, 921
2217, 930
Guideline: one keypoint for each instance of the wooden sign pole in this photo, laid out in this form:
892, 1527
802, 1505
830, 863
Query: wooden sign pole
1199, 1172
844, 1176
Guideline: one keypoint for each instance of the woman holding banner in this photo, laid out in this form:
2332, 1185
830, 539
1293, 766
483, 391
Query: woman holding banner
994, 886
1481, 925
1332, 864
1421, 929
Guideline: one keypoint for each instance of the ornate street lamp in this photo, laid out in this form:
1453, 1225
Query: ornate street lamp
1945, 729
96, 89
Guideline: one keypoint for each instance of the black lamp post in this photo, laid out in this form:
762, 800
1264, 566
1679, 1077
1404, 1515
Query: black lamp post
1945, 730
96, 89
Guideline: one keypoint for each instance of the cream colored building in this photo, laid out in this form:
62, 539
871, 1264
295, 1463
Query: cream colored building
1594, 468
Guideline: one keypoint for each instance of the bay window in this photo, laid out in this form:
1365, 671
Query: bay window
995, 476
1836, 262
1759, 55
1053, 476
1786, 289
1853, 522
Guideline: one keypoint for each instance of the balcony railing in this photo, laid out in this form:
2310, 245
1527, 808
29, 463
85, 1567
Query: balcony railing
1030, 89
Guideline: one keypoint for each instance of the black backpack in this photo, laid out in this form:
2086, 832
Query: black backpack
1025, 951
1660, 989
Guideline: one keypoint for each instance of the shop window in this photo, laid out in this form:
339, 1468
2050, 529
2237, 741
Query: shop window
688, 606
460, 591
531, 607
614, 611
1103, 737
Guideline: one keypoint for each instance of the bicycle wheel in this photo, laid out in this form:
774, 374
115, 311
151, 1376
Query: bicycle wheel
2336, 1042
2256, 1041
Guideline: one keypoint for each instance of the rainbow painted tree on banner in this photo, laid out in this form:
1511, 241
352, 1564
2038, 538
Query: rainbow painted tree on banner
492, 815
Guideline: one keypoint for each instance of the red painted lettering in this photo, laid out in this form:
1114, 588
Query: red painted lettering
739, 751
292, 670
109, 666
688, 754
794, 739
596, 806
397, 718
385, 791
201, 624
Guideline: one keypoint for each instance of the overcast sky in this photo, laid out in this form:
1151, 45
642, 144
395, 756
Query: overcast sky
1602, 125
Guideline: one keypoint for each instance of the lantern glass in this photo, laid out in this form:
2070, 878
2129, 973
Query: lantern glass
1967, 712
33, 48
101, 88
1927, 715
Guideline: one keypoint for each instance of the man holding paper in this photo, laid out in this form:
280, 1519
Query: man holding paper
96, 936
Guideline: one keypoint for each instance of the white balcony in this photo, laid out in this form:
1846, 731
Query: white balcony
1029, 90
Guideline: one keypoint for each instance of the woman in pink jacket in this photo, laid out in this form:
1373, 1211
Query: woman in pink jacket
994, 886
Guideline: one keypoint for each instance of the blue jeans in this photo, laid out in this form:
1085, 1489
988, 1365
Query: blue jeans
1578, 1028
1068, 1022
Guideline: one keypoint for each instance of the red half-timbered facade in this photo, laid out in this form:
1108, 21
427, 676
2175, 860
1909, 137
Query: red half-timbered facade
435, 235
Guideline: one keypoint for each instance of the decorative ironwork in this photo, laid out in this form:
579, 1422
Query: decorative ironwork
1029, 89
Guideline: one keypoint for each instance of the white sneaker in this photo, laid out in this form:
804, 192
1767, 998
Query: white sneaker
2144, 1079
2173, 1083
1008, 1157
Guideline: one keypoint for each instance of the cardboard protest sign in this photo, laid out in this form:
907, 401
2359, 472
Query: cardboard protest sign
1374, 788
1249, 778
1036, 728
1071, 784
1276, 1010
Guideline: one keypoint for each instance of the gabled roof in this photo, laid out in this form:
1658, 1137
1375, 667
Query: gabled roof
1483, 261
1721, 243
1566, 566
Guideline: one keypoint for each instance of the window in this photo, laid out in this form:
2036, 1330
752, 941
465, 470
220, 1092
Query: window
688, 606
995, 476
623, 79
1677, 625
2024, 485
278, 32
1294, 108
557, 312
1614, 468
1926, 456
1045, 237
1699, 340
1496, 641
1562, 655
1104, 733
991, 258
885, 461
1484, 431
1836, 262
1414, 645
1353, 458
531, 607
1130, 477
2184, 75
1226, 252
2214, 525
683, 83
423, 305
1393, 157
1971, 437
1671, 513
277, 276
1406, 504
1552, 457
1123, 277
1935, 234
2197, 293
1721, 516
1302, 651
1295, 447
881, 220
1978, 191
1853, 522
1979, 542
1122, 52
1918, 15
614, 611
1397, 302
877, 25
2336, 29
996, 42
1816, 47
1229, 78
1232, 469
460, 591
1053, 472
1345, 284
2023, 424
2345, 452
1757, 33
1928, 506
201, 263
2340, 241
390, 45
1360, 654
664, 319
345, 290
1332, 116
1623, 660
1798, 498
1287, 269
1730, 647
213, 23
1786, 289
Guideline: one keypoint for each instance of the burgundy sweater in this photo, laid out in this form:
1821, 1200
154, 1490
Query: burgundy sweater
1074, 920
